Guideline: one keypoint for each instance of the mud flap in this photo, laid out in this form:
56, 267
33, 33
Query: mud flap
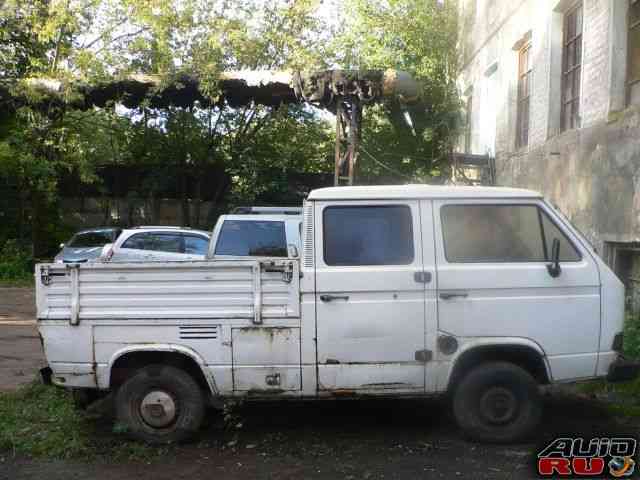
45, 375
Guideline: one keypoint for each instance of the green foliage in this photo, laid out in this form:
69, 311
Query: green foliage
632, 336
418, 37
16, 263
256, 150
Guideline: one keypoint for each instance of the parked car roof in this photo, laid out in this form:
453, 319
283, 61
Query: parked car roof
98, 229
418, 191
166, 228
267, 211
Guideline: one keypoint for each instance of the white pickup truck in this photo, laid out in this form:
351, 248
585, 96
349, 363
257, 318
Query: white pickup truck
483, 293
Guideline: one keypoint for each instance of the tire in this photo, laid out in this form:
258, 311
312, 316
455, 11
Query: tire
160, 404
497, 402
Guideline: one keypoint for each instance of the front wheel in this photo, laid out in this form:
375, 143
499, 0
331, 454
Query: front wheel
160, 404
497, 402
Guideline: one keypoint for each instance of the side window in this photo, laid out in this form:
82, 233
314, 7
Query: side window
492, 233
568, 253
167, 242
368, 235
252, 238
501, 233
139, 241
195, 245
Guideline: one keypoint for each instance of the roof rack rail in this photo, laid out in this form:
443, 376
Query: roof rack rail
267, 211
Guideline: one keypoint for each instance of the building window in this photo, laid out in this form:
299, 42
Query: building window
468, 118
634, 52
571, 68
524, 92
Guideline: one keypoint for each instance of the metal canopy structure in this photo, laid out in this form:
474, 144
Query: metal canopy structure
342, 92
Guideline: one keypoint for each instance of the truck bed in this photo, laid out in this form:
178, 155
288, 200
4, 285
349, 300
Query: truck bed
252, 289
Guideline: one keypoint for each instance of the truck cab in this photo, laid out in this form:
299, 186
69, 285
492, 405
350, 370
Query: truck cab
484, 294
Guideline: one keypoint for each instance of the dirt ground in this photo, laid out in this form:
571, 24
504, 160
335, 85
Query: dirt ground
20, 351
373, 439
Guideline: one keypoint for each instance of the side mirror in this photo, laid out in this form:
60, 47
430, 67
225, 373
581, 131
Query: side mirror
554, 267
292, 250
61, 245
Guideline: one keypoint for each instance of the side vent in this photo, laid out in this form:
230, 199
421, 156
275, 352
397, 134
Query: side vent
198, 332
308, 250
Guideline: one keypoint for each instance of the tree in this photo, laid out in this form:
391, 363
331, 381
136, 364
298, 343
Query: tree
417, 36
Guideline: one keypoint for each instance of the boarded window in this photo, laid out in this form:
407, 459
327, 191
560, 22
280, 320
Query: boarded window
634, 52
501, 233
571, 68
380, 235
524, 92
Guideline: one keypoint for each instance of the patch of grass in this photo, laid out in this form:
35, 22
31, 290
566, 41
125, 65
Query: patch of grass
41, 421
627, 393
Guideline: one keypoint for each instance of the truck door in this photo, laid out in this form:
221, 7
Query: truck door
493, 280
370, 296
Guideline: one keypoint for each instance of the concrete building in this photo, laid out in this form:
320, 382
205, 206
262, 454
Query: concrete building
552, 89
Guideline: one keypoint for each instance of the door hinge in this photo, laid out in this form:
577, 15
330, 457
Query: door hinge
424, 356
422, 277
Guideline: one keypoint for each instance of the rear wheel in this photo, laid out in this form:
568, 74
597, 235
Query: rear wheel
497, 402
161, 404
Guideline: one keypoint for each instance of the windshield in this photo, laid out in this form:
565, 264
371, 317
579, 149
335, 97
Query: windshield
91, 239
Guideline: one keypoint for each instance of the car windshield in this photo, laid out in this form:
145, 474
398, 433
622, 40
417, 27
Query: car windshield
91, 239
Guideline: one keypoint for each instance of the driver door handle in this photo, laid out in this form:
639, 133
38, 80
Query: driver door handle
331, 298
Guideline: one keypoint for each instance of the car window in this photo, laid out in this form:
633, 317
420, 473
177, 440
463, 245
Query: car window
139, 241
91, 239
499, 233
252, 238
168, 242
195, 245
368, 235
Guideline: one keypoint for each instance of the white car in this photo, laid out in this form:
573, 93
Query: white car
157, 244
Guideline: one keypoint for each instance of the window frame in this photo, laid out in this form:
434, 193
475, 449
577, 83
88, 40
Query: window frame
576, 97
522, 133
412, 219
540, 211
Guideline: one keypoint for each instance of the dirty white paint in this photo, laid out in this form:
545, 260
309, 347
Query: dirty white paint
255, 330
